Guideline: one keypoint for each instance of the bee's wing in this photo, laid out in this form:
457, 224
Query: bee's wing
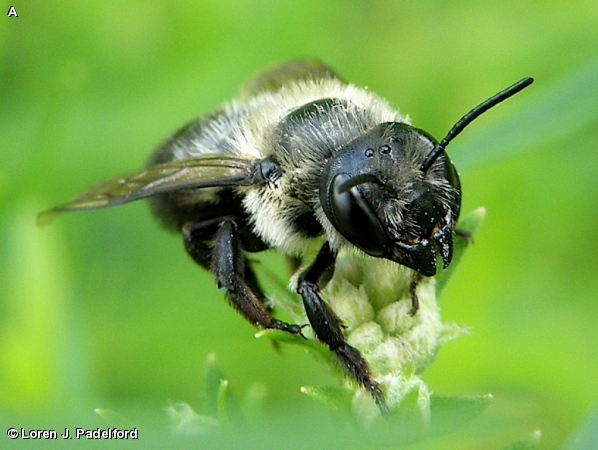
201, 172
272, 79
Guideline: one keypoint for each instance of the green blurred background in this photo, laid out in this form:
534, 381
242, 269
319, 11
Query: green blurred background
104, 309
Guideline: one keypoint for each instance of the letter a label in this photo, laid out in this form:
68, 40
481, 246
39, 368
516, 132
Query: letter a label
12, 12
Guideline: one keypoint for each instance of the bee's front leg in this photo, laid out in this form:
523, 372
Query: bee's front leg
328, 327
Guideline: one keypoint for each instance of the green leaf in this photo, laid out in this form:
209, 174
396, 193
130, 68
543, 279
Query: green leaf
212, 385
470, 225
222, 403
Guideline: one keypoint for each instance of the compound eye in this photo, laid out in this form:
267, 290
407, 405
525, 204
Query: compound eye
354, 218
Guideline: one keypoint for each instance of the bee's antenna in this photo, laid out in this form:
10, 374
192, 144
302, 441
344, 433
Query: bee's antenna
471, 116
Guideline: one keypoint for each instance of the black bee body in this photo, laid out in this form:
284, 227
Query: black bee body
296, 134
302, 158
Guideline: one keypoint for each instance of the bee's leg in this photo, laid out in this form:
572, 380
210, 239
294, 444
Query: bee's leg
327, 326
254, 286
196, 235
228, 266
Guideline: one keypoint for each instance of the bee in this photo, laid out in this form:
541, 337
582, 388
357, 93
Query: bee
302, 156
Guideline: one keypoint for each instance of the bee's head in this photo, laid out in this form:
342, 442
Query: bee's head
378, 196
394, 193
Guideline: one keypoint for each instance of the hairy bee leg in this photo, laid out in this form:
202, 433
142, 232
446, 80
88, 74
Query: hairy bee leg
328, 327
228, 266
196, 235
254, 286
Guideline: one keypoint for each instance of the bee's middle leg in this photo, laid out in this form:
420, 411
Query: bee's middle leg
228, 264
